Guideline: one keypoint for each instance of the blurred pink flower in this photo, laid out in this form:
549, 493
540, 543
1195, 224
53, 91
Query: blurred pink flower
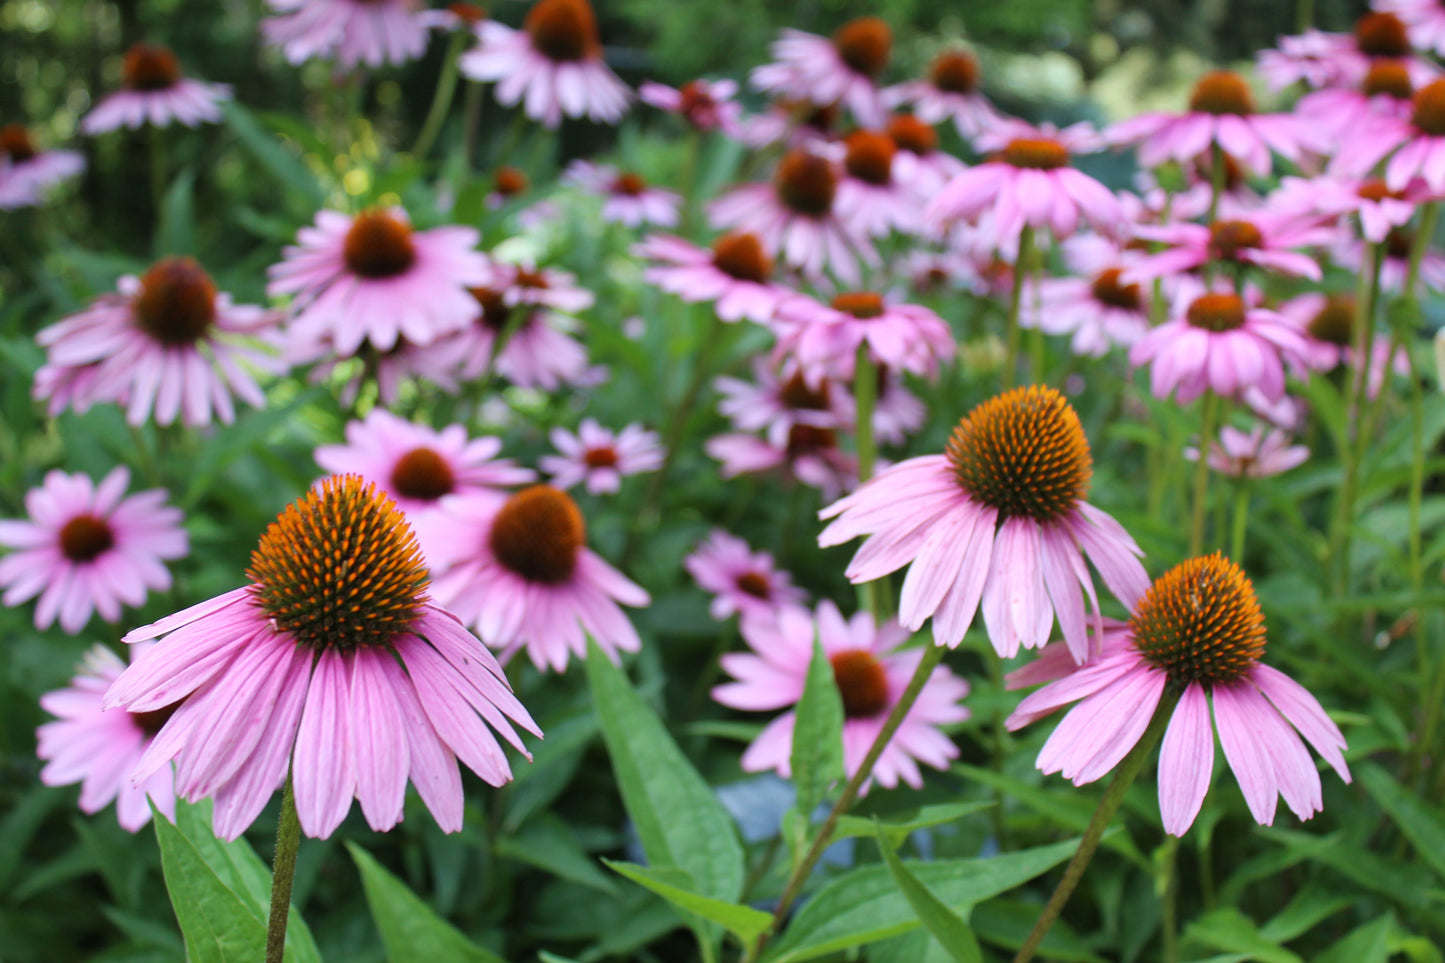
600, 457
775, 402
98, 748
27, 173
1260, 238
153, 91
85, 548
526, 344
626, 198
371, 32
332, 665
1253, 454
1425, 20
1351, 254
1098, 309
871, 671
705, 104
167, 346
552, 66
809, 455
843, 69
1198, 629
1409, 146
825, 338
735, 274
743, 582
1312, 58
519, 570
999, 521
919, 166
1385, 91
1380, 210
949, 92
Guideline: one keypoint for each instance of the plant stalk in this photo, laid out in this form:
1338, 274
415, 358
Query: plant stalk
442, 100
1013, 334
1208, 416
283, 873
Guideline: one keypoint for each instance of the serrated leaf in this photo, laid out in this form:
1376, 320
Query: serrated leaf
864, 905
409, 928
947, 927
744, 922
679, 821
817, 754
1422, 827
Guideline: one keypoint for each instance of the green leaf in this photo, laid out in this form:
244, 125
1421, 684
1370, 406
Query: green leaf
1007, 923
221, 893
174, 232
680, 822
269, 152
900, 828
409, 929
864, 905
1422, 827
1311, 905
744, 922
945, 925
1230, 930
1367, 944
550, 845
817, 758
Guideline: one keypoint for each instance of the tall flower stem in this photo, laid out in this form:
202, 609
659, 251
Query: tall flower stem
1208, 417
865, 397
1354, 454
1218, 179
471, 123
442, 100
1241, 522
283, 873
1013, 334
932, 656
1113, 796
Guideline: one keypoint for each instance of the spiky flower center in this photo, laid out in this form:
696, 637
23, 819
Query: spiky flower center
742, 256
176, 303
603, 456
1377, 190
806, 183
798, 395
1390, 78
864, 44
538, 535
809, 440
954, 72
150, 67
1429, 111
1382, 35
755, 584
85, 537
563, 30
340, 568
378, 245
629, 183
468, 13
1200, 622
495, 310
1228, 238
1335, 322
15, 143
870, 157
423, 474
1216, 312
1035, 153
536, 279
863, 305
1023, 453
1221, 92
913, 135
509, 181
862, 682
1108, 290
696, 102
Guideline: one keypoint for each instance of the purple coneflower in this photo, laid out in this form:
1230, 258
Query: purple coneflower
809, 455
528, 345
919, 165
1413, 144
742, 582
775, 402
1425, 20
735, 273
627, 199
153, 91
371, 32
601, 457
1263, 238
1098, 309
825, 338
1313, 58
873, 198
949, 92
705, 104
1252, 454
28, 173
843, 69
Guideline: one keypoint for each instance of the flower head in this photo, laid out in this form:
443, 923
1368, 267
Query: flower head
705, 104
601, 457
735, 272
871, 671
1198, 632
742, 581
842, 69
808, 454
1263, 239
154, 91
88, 548
1253, 454
1410, 145
371, 32
998, 521
825, 338
27, 173
627, 199
332, 664
949, 92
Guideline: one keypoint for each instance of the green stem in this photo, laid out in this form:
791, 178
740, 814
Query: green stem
932, 656
1209, 414
283, 872
1013, 333
442, 100
1354, 453
1124, 776
158, 173
471, 124
865, 395
1241, 522
1218, 179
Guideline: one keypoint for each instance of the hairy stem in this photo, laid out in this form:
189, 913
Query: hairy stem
283, 872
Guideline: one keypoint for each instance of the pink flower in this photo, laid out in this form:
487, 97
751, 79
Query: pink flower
1424, 18
796, 217
627, 198
742, 581
1328, 324
27, 173
531, 345
1221, 111
774, 403
999, 521
519, 570
415, 465
734, 273
897, 412
371, 278
872, 199
871, 673
1098, 309
601, 457
1027, 181
1351, 253
153, 91
98, 748
332, 665
1380, 210
792, 122
1253, 454
402, 363
1385, 91
1413, 144
168, 345
808, 454
1313, 58
1216, 341
1260, 238
825, 338
527, 284
458, 15
554, 64
843, 69
950, 91
371, 32
1199, 631
919, 166
86, 548
705, 104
